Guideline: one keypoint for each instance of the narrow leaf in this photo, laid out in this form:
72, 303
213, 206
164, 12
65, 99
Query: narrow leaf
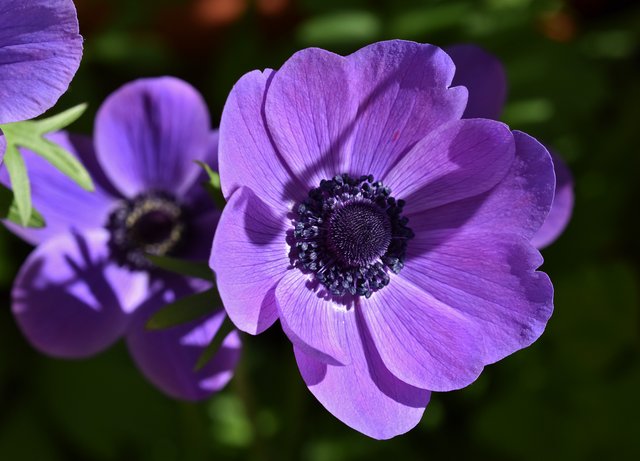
59, 121
184, 310
66, 163
180, 266
19, 183
226, 328
213, 185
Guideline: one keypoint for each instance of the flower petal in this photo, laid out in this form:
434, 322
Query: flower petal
150, 132
64, 205
40, 50
168, 357
422, 341
249, 256
561, 208
485, 78
403, 93
462, 159
247, 155
314, 323
70, 300
518, 204
364, 394
488, 278
310, 112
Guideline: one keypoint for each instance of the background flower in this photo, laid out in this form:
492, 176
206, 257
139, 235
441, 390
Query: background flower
88, 283
40, 50
414, 306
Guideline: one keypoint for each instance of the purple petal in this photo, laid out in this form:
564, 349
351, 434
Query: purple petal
364, 394
249, 256
314, 323
562, 206
402, 91
40, 50
247, 155
462, 159
168, 357
150, 132
488, 278
421, 340
3, 147
64, 205
70, 300
485, 78
310, 112
518, 204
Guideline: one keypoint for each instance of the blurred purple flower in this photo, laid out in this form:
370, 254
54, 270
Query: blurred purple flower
389, 236
87, 283
40, 50
485, 78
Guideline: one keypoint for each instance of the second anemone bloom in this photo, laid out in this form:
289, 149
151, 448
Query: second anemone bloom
88, 282
389, 235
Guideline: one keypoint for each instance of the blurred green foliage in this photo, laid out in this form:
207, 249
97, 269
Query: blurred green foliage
573, 68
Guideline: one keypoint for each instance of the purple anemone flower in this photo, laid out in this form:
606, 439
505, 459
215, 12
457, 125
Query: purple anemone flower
88, 283
390, 236
484, 76
40, 50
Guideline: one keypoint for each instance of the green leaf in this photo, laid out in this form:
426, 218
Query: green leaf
213, 185
9, 210
19, 183
59, 121
226, 328
184, 310
182, 267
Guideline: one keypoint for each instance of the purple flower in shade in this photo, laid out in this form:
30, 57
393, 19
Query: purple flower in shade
40, 50
390, 236
485, 78
87, 283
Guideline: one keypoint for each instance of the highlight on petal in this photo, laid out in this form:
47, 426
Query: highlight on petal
485, 78
561, 208
149, 133
64, 205
363, 394
421, 340
248, 156
314, 323
403, 93
249, 257
40, 51
459, 160
490, 279
70, 300
168, 357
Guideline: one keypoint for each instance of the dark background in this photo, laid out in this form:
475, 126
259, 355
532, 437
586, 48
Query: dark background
574, 73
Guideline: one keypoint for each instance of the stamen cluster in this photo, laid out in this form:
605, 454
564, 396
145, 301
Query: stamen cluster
349, 233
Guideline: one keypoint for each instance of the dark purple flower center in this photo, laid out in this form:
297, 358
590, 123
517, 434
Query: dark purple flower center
151, 223
349, 233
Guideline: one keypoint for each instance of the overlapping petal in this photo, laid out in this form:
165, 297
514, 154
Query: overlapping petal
459, 160
248, 157
64, 205
562, 207
40, 50
402, 90
364, 394
421, 340
70, 300
249, 257
490, 279
168, 357
149, 133
485, 78
518, 204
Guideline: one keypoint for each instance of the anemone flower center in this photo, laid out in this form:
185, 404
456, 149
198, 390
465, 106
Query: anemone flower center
151, 223
349, 233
